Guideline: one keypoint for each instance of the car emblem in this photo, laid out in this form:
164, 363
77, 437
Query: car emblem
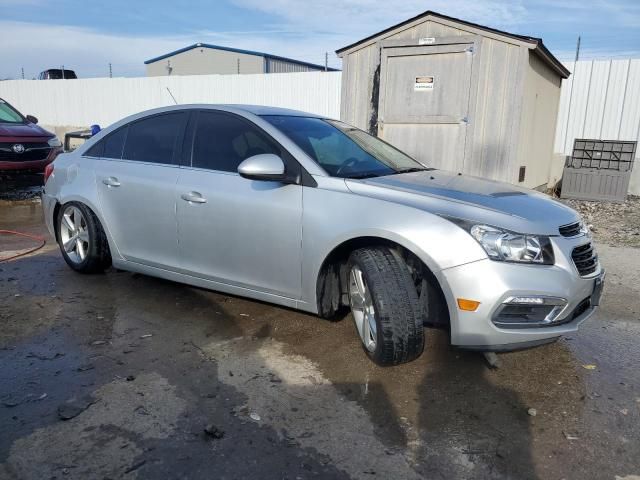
18, 148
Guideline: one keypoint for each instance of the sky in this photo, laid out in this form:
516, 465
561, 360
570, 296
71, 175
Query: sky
88, 35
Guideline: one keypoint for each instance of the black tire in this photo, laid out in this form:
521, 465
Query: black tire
398, 318
98, 256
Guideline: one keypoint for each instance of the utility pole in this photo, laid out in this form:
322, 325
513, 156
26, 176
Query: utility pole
63, 72
22, 72
326, 61
110, 71
575, 67
238, 60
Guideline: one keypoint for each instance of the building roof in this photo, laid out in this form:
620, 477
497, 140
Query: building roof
538, 46
238, 50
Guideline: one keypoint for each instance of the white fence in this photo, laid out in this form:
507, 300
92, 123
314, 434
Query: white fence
104, 100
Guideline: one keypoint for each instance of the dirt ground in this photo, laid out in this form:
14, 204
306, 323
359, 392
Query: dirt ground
119, 375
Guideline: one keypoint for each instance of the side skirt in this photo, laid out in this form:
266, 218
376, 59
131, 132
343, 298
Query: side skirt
212, 285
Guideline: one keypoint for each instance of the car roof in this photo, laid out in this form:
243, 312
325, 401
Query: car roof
259, 110
56, 70
264, 110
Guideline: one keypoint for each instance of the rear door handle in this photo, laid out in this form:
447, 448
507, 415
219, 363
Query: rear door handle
111, 182
193, 197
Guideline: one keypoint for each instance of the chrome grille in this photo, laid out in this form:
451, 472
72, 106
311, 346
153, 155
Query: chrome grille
585, 259
571, 230
32, 151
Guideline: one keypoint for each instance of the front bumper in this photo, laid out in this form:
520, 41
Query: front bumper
17, 164
37, 166
491, 283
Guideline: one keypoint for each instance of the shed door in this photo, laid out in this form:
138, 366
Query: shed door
424, 101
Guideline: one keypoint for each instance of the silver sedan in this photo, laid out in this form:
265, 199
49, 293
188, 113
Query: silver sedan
311, 213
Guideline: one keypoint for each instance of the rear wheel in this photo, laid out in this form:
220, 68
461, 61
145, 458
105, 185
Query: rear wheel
82, 240
385, 306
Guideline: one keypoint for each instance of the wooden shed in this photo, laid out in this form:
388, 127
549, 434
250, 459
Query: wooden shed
457, 96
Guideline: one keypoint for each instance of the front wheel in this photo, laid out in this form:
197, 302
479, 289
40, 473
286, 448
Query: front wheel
385, 307
81, 238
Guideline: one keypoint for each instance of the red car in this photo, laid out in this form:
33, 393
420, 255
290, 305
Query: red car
24, 146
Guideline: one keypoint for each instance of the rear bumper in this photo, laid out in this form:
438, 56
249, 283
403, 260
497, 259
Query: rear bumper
48, 207
492, 283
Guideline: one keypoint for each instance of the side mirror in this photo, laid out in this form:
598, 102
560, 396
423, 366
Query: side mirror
31, 119
266, 166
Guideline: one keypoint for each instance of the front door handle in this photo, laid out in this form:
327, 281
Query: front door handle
111, 182
193, 197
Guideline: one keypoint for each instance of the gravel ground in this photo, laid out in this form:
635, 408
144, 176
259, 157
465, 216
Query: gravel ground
615, 224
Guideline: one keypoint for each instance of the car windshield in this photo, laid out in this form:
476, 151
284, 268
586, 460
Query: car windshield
342, 150
58, 74
8, 114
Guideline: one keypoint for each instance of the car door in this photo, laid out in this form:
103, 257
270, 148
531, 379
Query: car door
242, 232
136, 177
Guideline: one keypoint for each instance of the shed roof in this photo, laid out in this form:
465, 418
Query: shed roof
238, 50
537, 46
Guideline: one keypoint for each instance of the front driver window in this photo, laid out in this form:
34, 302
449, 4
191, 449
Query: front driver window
223, 141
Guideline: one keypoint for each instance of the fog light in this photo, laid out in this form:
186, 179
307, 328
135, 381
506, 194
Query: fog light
468, 305
534, 300
529, 311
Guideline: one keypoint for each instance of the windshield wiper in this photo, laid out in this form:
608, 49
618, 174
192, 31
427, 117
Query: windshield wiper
360, 176
413, 169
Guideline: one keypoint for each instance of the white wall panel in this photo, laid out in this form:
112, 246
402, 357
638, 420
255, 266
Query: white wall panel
105, 100
605, 102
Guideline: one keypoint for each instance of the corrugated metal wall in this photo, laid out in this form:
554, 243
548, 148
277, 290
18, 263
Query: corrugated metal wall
105, 100
601, 100
282, 66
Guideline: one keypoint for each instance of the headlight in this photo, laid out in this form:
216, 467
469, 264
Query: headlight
54, 142
513, 247
506, 246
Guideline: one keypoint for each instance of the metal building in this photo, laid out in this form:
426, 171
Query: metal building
206, 59
458, 96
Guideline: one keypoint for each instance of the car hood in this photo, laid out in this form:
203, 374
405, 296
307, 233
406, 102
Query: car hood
23, 130
471, 198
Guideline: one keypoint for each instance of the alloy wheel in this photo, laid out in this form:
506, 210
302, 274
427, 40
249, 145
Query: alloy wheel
74, 234
362, 308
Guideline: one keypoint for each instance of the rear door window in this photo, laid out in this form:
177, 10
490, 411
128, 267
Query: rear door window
154, 139
111, 146
114, 144
223, 141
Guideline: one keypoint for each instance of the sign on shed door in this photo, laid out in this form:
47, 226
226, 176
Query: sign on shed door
424, 101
